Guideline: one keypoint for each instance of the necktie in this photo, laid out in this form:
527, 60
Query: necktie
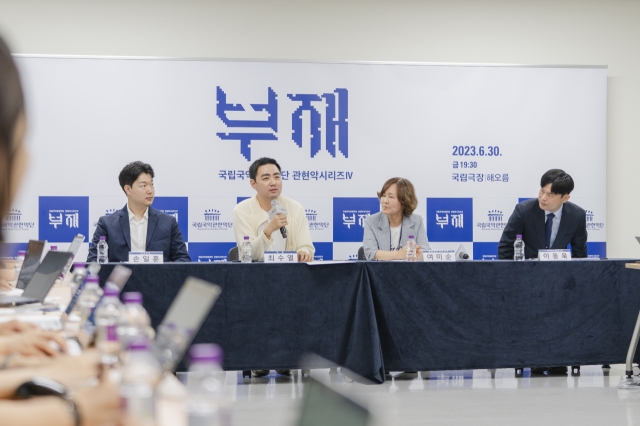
547, 229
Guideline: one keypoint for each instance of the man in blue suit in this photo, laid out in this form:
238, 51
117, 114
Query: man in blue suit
138, 226
548, 222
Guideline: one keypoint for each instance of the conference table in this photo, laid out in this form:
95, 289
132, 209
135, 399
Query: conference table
372, 317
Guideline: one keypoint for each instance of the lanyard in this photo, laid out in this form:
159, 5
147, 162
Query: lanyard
399, 239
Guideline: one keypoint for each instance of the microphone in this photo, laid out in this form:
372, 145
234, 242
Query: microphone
276, 208
461, 253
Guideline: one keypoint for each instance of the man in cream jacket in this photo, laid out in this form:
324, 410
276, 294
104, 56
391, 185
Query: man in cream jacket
251, 216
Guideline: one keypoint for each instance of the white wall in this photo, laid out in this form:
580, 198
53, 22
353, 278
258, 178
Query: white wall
596, 32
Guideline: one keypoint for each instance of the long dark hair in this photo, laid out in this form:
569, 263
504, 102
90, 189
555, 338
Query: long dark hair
11, 107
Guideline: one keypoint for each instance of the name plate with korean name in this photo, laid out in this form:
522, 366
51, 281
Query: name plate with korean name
280, 257
439, 255
554, 255
155, 257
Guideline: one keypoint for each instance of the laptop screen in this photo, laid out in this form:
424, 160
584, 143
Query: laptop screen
31, 262
324, 406
46, 274
183, 320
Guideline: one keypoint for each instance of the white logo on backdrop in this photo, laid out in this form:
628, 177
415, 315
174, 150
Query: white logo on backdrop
71, 220
212, 222
314, 225
592, 225
13, 222
494, 222
457, 220
443, 216
351, 217
69, 217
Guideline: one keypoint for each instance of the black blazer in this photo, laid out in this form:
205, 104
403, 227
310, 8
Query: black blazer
528, 219
163, 234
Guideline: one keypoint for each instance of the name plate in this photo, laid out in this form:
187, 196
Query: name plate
155, 257
280, 257
554, 255
439, 255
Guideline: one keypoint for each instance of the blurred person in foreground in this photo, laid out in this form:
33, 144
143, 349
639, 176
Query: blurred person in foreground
97, 405
386, 233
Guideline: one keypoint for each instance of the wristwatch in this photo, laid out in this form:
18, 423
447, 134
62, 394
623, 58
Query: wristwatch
41, 386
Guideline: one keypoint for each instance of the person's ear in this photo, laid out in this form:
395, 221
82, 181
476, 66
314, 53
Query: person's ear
253, 183
127, 189
566, 198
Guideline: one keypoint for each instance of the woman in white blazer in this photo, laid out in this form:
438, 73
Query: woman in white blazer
386, 233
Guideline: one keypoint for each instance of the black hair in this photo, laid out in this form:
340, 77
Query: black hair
11, 108
561, 182
253, 169
131, 171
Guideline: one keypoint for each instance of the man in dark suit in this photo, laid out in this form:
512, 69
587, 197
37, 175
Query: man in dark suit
550, 222
138, 226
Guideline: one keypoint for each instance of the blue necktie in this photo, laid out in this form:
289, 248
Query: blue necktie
547, 229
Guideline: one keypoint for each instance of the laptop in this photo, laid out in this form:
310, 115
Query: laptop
183, 321
324, 406
43, 279
30, 263
73, 249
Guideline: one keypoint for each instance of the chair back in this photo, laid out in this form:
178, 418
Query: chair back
233, 255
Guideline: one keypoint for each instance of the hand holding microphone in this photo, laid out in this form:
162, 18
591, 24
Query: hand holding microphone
278, 218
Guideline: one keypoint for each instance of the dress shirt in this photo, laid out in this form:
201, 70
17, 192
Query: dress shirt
138, 229
555, 225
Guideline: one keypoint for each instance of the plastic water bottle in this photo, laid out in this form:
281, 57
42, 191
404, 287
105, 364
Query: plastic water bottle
107, 318
411, 249
205, 402
134, 320
103, 250
140, 374
245, 250
18, 265
518, 248
89, 297
77, 279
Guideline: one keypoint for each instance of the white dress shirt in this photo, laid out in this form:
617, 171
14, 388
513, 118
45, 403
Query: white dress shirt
555, 225
138, 230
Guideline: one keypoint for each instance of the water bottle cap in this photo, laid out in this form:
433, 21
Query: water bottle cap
206, 352
21, 252
111, 291
132, 297
103, 238
519, 236
411, 236
246, 238
92, 279
54, 248
78, 265
139, 344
